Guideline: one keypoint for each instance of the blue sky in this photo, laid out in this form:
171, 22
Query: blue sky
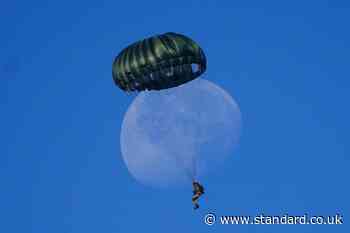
286, 63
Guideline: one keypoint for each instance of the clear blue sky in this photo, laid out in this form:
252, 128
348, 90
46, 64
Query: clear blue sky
285, 62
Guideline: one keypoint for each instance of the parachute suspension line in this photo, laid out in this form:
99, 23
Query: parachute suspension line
183, 166
194, 168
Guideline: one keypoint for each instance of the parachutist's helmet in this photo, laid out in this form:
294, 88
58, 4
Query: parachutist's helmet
158, 62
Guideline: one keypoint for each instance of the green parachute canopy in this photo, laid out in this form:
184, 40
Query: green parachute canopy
158, 62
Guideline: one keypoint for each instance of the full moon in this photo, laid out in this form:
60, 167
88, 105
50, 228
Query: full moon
172, 136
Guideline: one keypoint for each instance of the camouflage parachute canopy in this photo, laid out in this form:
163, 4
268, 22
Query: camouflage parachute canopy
159, 62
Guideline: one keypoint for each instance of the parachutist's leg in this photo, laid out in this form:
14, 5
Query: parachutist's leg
195, 200
195, 203
195, 197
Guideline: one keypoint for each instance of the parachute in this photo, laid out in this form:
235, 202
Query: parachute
158, 62
176, 135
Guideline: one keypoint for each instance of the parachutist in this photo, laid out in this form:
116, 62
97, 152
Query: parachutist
198, 191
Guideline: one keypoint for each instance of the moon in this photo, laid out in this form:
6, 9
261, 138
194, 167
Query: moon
172, 136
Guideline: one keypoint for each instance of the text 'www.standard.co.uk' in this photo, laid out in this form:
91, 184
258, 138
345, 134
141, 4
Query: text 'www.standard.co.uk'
261, 219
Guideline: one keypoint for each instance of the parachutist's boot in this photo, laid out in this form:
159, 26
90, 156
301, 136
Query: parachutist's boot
196, 206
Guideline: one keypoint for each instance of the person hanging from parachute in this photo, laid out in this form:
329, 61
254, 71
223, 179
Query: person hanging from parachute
198, 191
157, 63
